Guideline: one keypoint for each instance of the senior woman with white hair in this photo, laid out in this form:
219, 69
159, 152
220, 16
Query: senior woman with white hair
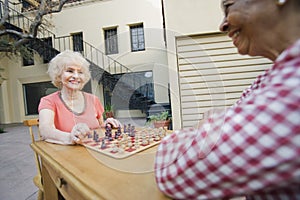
66, 116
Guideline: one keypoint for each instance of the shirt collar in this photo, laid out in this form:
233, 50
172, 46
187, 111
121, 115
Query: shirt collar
291, 52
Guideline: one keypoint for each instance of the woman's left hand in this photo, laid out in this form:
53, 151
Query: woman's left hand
113, 122
79, 132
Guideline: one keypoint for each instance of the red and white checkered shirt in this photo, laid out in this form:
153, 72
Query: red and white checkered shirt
252, 149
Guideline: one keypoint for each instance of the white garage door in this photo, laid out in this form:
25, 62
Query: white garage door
212, 74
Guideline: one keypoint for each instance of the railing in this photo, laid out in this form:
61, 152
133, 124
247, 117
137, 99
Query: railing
123, 81
91, 53
1, 9
65, 42
98, 58
23, 22
15, 5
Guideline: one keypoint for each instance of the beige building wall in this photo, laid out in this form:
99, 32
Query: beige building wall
12, 99
4, 109
184, 18
91, 18
12, 106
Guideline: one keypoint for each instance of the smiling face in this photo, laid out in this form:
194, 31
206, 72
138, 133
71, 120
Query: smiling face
73, 77
249, 23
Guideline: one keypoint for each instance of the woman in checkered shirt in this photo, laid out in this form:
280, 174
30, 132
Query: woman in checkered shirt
252, 149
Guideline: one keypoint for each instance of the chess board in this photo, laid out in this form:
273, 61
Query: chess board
120, 144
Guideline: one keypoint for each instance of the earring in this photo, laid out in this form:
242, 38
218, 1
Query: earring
281, 2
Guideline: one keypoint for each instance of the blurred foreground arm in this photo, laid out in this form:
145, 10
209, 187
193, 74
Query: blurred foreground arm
252, 148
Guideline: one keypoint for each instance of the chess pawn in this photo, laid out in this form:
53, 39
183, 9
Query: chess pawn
103, 145
114, 148
129, 143
125, 128
144, 141
157, 138
137, 138
123, 146
95, 136
132, 134
137, 145
89, 135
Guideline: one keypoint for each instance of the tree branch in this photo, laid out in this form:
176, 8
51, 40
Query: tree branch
16, 33
45, 7
55, 8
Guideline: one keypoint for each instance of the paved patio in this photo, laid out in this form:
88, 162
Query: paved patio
17, 166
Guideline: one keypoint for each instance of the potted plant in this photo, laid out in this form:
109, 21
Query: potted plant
160, 120
108, 111
2, 130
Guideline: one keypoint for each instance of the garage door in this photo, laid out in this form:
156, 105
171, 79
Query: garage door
212, 74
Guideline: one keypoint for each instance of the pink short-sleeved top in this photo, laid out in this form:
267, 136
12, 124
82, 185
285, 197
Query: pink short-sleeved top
65, 119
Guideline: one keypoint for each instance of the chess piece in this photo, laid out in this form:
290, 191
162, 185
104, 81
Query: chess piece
137, 145
116, 135
125, 129
103, 145
114, 148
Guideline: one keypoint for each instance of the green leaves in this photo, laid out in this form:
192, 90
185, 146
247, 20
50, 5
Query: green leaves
159, 117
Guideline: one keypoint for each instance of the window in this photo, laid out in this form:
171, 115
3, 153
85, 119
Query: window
1, 10
137, 37
27, 6
77, 42
33, 92
137, 84
111, 41
28, 57
47, 51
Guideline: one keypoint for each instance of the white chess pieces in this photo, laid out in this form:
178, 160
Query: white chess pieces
114, 148
137, 144
129, 143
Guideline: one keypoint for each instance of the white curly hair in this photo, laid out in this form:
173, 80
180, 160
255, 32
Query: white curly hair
64, 59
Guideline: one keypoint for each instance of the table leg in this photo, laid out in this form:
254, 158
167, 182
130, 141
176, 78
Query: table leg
50, 190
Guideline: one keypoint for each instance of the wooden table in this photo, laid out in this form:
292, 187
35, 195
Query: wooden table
77, 173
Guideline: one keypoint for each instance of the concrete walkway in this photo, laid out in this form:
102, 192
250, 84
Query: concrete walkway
17, 165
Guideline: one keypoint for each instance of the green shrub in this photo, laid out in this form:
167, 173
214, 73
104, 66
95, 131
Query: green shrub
2, 130
159, 117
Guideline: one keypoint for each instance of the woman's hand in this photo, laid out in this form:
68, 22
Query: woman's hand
114, 123
79, 132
